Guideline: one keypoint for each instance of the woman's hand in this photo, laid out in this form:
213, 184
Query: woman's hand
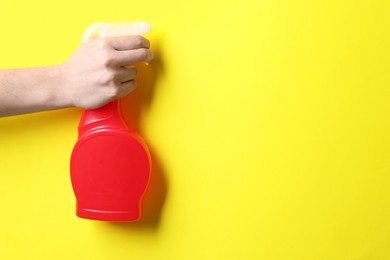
102, 70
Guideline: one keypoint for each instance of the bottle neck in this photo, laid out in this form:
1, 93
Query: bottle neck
107, 116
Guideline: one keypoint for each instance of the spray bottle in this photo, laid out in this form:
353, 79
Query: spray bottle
110, 163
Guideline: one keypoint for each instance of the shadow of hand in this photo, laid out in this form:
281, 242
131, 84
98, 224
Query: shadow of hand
133, 106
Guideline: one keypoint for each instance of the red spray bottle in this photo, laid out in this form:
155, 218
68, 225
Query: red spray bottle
110, 163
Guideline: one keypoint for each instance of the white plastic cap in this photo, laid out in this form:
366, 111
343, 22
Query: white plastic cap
98, 30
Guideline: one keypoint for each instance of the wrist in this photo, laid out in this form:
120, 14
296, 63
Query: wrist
59, 95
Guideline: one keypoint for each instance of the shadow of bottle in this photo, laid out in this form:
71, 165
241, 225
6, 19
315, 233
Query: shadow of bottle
133, 106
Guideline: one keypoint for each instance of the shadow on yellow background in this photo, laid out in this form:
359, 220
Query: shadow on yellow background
132, 108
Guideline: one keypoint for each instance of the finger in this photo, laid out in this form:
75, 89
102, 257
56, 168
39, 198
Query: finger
133, 56
123, 43
125, 74
126, 88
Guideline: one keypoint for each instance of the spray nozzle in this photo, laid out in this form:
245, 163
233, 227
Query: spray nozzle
98, 30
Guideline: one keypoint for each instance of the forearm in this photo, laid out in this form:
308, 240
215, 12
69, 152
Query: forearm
31, 90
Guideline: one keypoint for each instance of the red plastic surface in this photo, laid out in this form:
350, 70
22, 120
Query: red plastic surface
110, 167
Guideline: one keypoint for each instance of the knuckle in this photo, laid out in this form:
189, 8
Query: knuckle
106, 55
104, 43
107, 78
108, 61
100, 44
113, 92
112, 95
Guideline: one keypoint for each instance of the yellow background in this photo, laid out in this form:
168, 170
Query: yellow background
269, 124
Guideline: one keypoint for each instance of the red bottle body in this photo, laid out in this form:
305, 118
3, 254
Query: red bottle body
110, 167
